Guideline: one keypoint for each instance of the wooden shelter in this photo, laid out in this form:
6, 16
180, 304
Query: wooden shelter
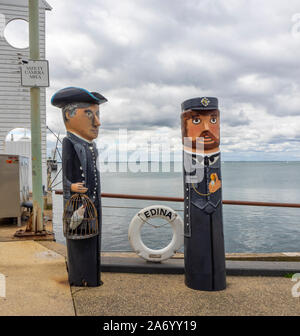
15, 99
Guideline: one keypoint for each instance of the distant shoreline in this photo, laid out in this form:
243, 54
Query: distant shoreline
223, 161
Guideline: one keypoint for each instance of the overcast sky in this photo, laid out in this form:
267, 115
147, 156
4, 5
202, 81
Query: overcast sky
147, 56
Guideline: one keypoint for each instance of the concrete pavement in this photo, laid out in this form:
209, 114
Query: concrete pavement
35, 280
166, 295
36, 284
126, 294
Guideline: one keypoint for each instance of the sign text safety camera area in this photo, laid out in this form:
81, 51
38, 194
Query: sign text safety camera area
35, 73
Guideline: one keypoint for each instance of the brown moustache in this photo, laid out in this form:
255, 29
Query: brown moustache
208, 133
193, 143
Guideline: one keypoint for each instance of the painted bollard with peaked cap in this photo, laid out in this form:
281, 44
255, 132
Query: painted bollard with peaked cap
204, 254
80, 109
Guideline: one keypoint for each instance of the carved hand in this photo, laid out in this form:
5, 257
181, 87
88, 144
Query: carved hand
214, 184
78, 188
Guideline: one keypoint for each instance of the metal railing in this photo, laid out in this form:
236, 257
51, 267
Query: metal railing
181, 199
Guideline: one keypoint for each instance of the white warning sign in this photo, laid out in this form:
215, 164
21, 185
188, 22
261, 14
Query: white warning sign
35, 74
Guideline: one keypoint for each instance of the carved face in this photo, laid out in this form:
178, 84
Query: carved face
85, 122
204, 129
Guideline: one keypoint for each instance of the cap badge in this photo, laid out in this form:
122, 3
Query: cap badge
205, 101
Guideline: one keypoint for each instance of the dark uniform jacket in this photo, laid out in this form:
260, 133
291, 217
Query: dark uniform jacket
203, 224
198, 170
79, 164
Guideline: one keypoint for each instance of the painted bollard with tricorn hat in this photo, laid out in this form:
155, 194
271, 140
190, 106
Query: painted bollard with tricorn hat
81, 183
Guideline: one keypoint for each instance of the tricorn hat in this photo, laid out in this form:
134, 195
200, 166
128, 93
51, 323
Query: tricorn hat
70, 95
200, 103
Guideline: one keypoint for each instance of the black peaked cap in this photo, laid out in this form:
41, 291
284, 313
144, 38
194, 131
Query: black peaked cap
200, 103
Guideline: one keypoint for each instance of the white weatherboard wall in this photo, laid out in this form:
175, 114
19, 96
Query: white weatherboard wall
15, 99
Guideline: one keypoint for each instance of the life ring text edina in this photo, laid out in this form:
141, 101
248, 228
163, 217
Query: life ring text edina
144, 215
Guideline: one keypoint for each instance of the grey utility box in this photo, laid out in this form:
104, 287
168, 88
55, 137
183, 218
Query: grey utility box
14, 186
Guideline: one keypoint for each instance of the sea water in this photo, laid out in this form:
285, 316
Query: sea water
246, 228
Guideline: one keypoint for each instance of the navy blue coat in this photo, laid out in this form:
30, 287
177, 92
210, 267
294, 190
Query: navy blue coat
78, 166
204, 253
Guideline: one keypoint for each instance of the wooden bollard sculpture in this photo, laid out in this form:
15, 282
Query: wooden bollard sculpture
81, 176
204, 254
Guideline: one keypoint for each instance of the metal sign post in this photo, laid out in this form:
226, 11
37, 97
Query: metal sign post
37, 188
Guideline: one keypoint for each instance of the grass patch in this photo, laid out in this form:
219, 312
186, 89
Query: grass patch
289, 275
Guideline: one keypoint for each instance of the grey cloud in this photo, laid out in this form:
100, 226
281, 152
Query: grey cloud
283, 139
183, 49
239, 119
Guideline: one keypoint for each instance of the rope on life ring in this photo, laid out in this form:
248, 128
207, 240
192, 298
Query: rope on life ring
142, 217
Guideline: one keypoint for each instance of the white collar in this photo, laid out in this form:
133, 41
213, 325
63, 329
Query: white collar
200, 157
78, 136
201, 154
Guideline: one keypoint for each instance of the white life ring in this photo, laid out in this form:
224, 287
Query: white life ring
134, 233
